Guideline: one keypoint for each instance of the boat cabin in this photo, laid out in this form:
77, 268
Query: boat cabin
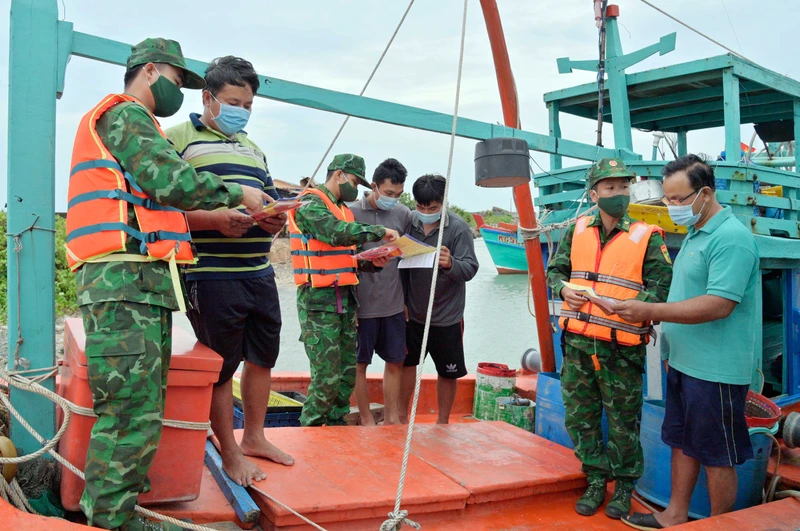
723, 91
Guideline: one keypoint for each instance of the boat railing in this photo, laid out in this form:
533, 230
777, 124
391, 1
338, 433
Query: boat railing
764, 199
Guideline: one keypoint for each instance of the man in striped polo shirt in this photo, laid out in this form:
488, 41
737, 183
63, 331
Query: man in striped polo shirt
235, 308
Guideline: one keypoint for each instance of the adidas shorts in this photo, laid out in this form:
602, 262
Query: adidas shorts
445, 346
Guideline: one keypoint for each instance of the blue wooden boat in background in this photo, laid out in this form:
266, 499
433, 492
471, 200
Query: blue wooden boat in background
505, 248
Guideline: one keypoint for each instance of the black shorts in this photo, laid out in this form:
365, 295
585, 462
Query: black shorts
445, 345
384, 335
238, 319
706, 420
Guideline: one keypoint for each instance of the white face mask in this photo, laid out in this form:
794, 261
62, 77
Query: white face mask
684, 215
385, 203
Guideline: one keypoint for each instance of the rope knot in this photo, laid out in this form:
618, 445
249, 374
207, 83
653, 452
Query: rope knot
396, 521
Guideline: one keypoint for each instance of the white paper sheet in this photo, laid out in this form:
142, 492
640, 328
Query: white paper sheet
419, 261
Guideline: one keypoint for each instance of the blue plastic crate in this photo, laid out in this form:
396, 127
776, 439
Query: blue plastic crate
271, 420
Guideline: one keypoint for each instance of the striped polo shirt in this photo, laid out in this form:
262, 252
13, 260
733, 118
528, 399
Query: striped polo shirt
237, 160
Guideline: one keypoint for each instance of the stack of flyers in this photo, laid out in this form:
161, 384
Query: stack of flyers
278, 207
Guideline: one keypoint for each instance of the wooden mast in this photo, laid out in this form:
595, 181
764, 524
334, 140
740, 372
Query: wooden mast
522, 193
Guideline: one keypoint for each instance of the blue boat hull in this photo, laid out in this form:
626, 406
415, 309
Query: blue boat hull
507, 252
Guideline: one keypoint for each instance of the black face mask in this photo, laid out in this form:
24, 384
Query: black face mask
347, 192
167, 96
615, 206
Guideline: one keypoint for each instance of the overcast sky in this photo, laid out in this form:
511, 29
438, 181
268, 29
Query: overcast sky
335, 44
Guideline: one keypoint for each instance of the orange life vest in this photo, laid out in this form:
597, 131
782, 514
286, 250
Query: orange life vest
316, 262
99, 198
615, 272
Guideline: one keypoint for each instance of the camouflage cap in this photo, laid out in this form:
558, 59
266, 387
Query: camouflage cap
352, 164
158, 50
608, 169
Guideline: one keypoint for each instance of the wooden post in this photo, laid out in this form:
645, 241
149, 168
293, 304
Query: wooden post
554, 118
522, 193
733, 116
556, 161
682, 148
32, 77
733, 136
797, 135
618, 87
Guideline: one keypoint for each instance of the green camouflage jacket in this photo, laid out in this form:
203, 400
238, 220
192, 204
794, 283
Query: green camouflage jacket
656, 276
130, 134
317, 219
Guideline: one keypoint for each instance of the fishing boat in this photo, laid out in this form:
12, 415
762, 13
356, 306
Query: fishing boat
507, 252
484, 476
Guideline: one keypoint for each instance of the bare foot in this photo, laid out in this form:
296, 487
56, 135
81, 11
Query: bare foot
263, 448
240, 469
367, 421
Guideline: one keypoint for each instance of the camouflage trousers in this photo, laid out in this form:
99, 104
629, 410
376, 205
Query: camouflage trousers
330, 340
128, 348
617, 388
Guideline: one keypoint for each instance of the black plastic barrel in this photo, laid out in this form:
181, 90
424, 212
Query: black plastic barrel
502, 163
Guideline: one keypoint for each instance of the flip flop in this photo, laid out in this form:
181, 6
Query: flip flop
644, 522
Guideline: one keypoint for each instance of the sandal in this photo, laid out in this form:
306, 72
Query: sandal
644, 522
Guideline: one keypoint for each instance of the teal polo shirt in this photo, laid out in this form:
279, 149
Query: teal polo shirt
719, 259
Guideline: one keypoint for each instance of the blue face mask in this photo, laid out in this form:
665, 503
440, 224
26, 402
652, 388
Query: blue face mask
428, 219
385, 203
684, 215
231, 119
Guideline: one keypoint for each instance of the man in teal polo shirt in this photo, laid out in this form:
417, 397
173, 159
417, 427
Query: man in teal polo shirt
708, 340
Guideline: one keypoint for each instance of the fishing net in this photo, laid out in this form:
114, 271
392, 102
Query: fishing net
38, 476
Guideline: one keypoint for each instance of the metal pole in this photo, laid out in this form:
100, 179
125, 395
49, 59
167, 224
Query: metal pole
601, 75
31, 205
522, 193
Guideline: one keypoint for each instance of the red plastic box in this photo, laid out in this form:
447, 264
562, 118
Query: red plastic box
178, 465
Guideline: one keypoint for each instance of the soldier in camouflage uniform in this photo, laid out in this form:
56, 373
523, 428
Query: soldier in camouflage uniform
127, 305
617, 385
328, 315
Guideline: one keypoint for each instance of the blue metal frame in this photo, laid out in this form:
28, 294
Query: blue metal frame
31, 203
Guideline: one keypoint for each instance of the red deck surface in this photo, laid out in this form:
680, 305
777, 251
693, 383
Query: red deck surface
476, 476
346, 478
471, 475
493, 460
348, 473
776, 516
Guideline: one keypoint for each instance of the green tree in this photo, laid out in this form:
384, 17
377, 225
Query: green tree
407, 200
466, 216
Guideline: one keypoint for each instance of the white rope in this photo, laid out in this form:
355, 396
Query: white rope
31, 385
12, 493
397, 517
687, 26
526, 233
541, 228
19, 382
364, 89
167, 423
